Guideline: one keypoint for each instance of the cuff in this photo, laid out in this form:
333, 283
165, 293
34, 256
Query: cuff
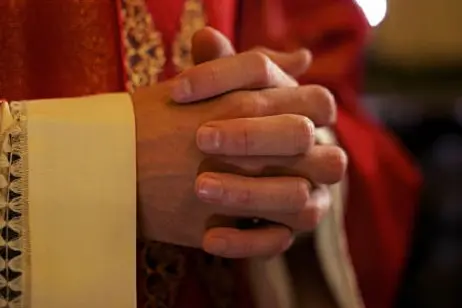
332, 244
69, 167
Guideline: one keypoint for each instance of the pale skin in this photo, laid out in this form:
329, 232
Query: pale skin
233, 137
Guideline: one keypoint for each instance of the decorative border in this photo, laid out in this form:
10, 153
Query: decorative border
14, 228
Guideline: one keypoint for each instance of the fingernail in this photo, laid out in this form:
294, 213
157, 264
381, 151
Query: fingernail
217, 245
210, 188
208, 139
181, 90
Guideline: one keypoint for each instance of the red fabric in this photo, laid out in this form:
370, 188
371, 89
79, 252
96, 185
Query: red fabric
383, 183
58, 49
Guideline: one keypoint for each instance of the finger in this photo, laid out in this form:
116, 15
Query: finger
233, 243
323, 164
236, 195
249, 70
283, 200
275, 135
209, 44
313, 101
294, 64
308, 218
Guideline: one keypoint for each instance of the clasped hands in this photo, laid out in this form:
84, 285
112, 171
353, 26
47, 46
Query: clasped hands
234, 137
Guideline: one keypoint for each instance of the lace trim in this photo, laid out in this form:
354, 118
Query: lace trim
14, 237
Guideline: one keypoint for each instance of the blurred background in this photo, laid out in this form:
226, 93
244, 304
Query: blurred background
414, 87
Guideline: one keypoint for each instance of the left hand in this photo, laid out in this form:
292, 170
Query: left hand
298, 210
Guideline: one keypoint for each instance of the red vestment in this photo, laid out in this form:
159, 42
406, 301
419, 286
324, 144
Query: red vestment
72, 48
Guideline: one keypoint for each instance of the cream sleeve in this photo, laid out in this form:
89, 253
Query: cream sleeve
68, 202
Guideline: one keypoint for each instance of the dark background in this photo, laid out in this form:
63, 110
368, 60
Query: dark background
423, 107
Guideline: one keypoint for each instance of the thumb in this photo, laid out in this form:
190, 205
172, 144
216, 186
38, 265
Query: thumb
209, 44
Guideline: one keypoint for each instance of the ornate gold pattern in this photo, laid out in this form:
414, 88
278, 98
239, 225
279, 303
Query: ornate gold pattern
192, 20
14, 239
144, 51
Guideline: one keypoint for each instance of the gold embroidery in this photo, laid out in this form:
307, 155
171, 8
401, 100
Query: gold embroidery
145, 55
192, 20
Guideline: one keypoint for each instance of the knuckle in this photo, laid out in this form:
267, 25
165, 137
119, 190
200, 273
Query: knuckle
244, 198
245, 104
317, 213
236, 104
338, 162
264, 66
311, 216
244, 141
301, 196
214, 74
304, 133
255, 104
326, 112
248, 142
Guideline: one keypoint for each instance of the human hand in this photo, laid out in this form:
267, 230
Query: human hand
274, 123
209, 44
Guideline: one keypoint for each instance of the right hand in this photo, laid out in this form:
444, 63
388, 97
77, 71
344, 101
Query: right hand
268, 122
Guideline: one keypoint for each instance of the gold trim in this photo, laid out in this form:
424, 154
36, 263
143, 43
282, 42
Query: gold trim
192, 20
144, 50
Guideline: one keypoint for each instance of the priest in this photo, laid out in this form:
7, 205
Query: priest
231, 167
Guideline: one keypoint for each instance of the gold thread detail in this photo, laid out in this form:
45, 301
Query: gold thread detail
192, 20
144, 51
